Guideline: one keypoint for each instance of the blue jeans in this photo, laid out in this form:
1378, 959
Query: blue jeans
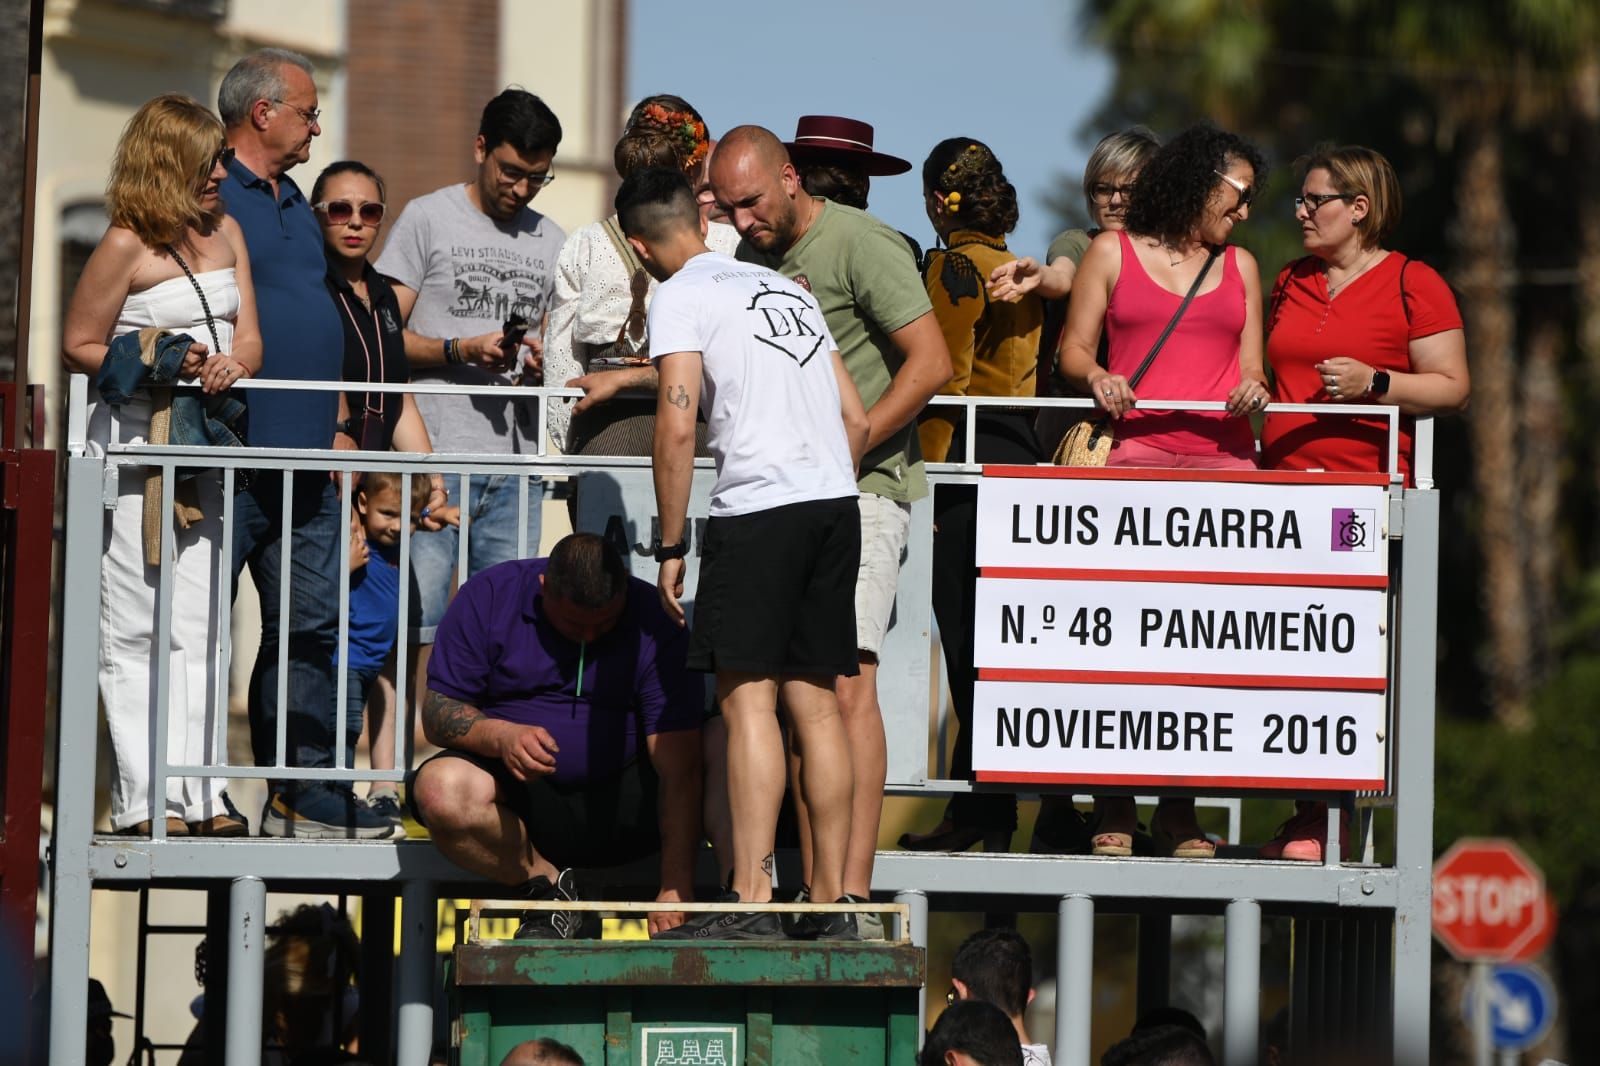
357, 684
313, 630
491, 539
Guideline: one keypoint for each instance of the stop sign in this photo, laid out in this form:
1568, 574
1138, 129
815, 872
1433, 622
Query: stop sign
1488, 901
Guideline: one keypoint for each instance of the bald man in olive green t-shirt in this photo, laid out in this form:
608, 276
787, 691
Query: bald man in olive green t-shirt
873, 299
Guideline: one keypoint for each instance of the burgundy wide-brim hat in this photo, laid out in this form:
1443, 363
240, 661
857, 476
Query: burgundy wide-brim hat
831, 139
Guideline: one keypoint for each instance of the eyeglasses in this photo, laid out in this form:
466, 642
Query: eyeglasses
310, 115
1246, 193
222, 158
341, 211
1102, 192
510, 175
1312, 201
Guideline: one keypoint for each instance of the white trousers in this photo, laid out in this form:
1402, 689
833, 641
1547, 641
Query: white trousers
128, 674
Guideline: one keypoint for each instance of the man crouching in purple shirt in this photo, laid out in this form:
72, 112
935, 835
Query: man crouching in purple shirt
572, 732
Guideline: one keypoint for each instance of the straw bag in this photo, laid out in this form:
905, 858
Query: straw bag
1089, 442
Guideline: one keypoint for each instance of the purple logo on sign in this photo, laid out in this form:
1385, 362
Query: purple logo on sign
1352, 529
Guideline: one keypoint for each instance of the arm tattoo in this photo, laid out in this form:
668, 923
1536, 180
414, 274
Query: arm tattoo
680, 399
446, 718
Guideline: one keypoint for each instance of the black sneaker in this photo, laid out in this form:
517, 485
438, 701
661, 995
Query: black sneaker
791, 921
557, 925
832, 925
386, 805
727, 925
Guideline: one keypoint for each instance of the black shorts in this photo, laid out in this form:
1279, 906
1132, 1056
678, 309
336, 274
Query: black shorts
596, 824
777, 592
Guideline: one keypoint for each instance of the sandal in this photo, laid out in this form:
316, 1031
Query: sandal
1112, 844
1191, 847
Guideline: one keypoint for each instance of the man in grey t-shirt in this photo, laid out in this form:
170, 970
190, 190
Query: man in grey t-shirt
463, 261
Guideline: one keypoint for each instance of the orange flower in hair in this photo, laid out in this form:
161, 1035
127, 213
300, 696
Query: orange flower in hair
688, 132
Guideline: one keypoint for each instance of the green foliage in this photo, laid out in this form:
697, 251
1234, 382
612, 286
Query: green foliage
1537, 787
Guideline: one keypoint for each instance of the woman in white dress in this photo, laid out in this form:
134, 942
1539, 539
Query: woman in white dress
172, 260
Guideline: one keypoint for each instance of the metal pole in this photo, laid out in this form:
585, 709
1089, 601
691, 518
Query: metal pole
1241, 984
1482, 1013
1074, 980
918, 932
76, 741
247, 927
419, 931
1411, 725
1155, 961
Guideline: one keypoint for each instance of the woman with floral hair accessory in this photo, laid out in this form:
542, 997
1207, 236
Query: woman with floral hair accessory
994, 351
595, 340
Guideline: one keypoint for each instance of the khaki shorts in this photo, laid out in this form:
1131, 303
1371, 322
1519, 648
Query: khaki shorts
885, 527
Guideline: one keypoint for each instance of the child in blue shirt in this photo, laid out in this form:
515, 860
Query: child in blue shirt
374, 616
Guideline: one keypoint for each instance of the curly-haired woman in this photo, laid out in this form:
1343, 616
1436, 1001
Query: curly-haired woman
171, 260
1187, 200
597, 276
993, 348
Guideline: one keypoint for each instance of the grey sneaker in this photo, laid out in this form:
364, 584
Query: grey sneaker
869, 924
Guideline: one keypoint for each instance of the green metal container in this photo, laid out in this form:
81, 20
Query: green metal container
637, 1003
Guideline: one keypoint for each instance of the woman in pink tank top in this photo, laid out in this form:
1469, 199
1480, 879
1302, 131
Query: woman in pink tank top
1186, 202
1184, 206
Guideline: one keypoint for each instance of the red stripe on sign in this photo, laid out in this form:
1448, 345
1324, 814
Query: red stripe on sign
1124, 473
1190, 577
1144, 677
1303, 784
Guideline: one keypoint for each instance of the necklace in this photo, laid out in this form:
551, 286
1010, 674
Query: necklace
1334, 290
1172, 258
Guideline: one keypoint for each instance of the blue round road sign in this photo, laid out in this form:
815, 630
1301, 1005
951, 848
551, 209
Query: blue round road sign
1523, 1005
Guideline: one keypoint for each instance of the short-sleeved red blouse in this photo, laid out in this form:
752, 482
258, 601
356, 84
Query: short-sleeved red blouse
1367, 322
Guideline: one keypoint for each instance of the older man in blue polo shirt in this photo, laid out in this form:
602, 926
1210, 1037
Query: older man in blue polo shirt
571, 730
268, 102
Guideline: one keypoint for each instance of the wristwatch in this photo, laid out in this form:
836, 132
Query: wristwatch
675, 551
1380, 383
348, 427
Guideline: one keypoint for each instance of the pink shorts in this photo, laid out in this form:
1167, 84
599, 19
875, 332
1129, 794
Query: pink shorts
1134, 452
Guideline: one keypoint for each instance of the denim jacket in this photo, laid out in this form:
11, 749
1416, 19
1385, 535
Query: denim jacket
153, 357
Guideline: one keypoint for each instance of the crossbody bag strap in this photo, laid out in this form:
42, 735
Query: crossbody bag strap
1155, 348
630, 258
633, 327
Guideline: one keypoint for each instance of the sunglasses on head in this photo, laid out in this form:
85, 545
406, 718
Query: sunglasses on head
340, 211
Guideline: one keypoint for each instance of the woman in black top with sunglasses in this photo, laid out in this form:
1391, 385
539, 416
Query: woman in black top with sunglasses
348, 199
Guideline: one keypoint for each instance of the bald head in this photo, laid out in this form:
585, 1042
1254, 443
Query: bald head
542, 1052
757, 187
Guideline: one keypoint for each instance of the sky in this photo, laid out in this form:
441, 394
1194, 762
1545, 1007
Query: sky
1023, 82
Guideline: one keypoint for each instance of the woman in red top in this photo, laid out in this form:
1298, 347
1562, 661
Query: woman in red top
1354, 323
1187, 200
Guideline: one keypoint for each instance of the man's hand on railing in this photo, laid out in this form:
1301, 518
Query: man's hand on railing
436, 510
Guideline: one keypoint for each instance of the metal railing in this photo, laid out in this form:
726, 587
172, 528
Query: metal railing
1240, 888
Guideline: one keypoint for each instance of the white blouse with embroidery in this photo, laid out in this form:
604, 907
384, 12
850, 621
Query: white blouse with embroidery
592, 300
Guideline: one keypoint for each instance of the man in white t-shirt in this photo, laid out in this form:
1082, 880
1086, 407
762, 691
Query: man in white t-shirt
775, 607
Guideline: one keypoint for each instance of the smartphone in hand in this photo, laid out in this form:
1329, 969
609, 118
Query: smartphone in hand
511, 332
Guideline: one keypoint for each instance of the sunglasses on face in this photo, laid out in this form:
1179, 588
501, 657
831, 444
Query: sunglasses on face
341, 211
223, 158
1246, 193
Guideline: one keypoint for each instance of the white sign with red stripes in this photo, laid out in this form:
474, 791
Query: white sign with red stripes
1177, 736
1145, 631
1230, 525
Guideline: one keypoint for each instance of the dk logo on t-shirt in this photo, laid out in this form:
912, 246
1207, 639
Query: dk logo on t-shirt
783, 323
